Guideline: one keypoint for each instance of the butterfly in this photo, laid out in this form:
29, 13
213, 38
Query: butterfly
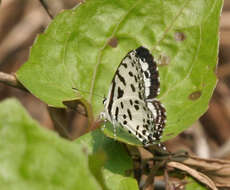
131, 101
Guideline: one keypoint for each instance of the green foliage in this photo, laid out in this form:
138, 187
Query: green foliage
74, 52
35, 158
122, 134
118, 164
194, 185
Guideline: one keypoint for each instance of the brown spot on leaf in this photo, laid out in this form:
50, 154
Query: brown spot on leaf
195, 95
164, 60
179, 36
113, 42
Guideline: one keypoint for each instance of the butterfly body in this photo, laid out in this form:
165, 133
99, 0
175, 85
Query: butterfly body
131, 101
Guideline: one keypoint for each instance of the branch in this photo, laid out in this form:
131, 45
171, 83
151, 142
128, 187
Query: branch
46, 8
10, 79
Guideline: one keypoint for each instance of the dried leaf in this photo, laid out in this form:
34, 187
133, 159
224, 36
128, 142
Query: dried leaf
194, 173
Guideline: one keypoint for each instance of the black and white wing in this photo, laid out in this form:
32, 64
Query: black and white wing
132, 96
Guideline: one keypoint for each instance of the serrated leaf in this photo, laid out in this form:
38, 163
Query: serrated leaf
118, 164
77, 51
34, 158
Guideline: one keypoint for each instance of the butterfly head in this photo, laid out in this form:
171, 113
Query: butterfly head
103, 115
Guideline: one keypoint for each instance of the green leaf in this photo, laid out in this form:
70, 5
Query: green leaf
74, 52
34, 158
118, 164
191, 73
121, 134
194, 185
96, 162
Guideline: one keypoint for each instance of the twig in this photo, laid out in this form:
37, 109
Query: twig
166, 177
10, 79
149, 183
46, 8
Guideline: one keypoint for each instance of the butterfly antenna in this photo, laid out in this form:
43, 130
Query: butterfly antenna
87, 92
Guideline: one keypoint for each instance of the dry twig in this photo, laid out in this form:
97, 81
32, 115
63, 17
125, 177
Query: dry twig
10, 79
46, 8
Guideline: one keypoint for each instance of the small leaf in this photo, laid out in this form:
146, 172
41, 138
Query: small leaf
96, 162
34, 158
118, 163
121, 134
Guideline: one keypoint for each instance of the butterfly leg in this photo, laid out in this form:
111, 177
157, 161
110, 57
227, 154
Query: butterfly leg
102, 117
114, 129
103, 127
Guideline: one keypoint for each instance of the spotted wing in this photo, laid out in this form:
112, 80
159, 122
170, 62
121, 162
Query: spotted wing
149, 71
144, 120
131, 100
136, 76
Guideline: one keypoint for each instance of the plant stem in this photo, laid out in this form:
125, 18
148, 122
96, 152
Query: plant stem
10, 79
46, 8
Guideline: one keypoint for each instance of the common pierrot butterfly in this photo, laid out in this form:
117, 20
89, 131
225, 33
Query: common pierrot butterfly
131, 101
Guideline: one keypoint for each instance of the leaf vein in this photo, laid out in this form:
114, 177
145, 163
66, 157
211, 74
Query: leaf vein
190, 70
104, 46
171, 24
